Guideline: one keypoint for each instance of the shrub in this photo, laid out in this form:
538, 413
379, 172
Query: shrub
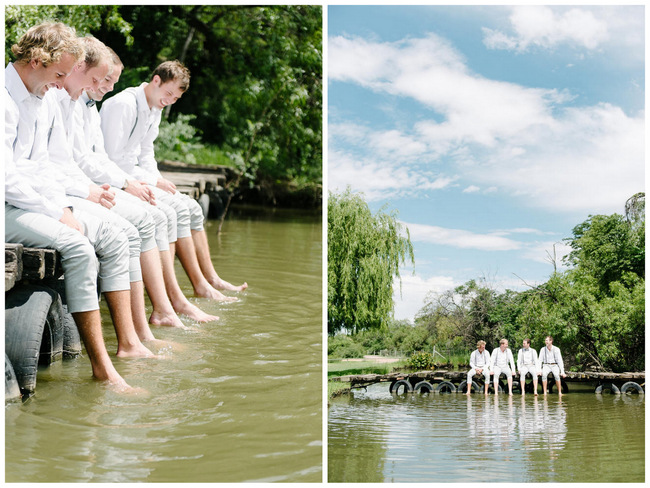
177, 140
421, 360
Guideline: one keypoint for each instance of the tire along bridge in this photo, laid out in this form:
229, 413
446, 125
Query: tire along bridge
442, 381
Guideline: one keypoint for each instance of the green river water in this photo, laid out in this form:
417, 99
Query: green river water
241, 402
374, 436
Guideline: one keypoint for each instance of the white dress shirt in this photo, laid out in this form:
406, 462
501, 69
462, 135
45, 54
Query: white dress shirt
130, 127
88, 146
26, 186
60, 143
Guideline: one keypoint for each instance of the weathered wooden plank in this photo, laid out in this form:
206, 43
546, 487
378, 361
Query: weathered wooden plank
13, 264
443, 375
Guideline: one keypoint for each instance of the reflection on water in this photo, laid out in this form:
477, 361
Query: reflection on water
239, 400
382, 438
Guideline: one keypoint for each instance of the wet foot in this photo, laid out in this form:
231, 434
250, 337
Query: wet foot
220, 284
209, 292
167, 319
162, 347
134, 351
193, 312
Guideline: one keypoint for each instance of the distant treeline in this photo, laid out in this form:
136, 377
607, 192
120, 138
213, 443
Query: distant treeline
595, 309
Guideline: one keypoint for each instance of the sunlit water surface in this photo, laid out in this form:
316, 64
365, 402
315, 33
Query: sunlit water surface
374, 436
240, 402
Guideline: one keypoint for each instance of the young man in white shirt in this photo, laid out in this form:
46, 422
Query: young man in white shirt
130, 122
37, 211
550, 357
99, 200
146, 257
92, 158
502, 362
527, 363
479, 362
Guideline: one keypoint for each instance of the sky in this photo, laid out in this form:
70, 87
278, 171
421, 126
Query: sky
492, 130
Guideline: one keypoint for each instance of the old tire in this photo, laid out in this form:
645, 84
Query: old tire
12, 390
33, 331
445, 387
423, 387
551, 384
204, 203
462, 387
72, 346
395, 387
631, 387
608, 386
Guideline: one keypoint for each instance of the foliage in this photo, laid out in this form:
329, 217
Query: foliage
595, 310
342, 346
421, 361
85, 19
177, 140
364, 254
256, 87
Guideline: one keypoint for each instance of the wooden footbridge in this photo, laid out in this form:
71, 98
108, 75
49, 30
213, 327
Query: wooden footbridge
443, 381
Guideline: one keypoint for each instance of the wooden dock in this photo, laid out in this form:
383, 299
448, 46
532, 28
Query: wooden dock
27, 264
443, 381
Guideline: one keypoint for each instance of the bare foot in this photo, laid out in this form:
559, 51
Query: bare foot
169, 319
220, 284
209, 292
193, 312
162, 347
134, 351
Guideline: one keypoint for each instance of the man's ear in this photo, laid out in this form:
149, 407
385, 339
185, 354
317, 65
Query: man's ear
34, 63
156, 80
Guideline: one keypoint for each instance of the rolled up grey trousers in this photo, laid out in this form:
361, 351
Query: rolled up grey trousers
485, 374
124, 226
188, 211
149, 220
79, 252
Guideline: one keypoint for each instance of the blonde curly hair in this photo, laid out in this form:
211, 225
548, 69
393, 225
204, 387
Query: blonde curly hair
46, 43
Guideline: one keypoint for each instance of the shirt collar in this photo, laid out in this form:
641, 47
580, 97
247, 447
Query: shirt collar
15, 86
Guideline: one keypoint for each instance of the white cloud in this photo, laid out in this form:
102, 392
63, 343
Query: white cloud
495, 134
546, 27
414, 290
471, 189
459, 238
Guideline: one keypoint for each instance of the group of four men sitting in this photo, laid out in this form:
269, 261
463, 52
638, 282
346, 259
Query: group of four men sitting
482, 363
87, 184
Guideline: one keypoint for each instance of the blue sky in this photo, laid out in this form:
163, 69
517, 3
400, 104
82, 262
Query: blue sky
492, 130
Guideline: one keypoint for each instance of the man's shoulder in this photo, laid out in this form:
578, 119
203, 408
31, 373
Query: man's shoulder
126, 98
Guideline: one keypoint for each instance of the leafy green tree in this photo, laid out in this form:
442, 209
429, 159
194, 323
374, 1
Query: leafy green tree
364, 254
605, 247
256, 89
84, 18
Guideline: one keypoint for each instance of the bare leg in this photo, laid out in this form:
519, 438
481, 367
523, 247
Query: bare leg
187, 255
544, 387
128, 342
178, 300
469, 389
535, 385
496, 386
559, 387
138, 312
90, 329
510, 385
205, 263
163, 312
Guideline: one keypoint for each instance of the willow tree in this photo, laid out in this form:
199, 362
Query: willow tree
364, 255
